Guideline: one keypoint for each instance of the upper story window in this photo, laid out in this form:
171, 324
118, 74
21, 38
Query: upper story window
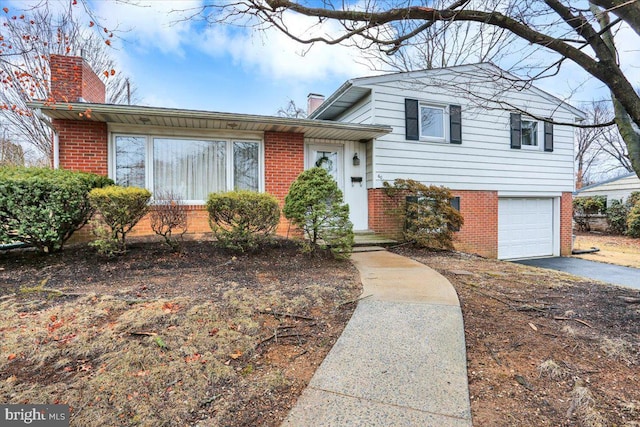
432, 121
529, 133
188, 168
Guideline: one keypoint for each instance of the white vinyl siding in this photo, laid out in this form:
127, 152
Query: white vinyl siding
360, 113
619, 189
484, 160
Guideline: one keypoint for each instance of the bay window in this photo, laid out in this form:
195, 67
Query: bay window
189, 168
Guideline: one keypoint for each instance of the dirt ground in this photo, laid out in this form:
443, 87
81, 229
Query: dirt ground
545, 348
155, 338
620, 250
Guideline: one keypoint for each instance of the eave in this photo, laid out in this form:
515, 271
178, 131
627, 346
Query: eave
207, 120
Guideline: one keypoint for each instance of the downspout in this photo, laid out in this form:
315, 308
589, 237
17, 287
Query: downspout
56, 138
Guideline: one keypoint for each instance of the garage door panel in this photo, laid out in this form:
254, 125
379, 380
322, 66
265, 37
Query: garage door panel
525, 227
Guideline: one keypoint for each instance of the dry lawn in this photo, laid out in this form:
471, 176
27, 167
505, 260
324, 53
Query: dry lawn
620, 250
159, 339
545, 348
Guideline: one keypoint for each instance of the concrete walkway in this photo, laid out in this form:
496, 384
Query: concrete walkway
401, 360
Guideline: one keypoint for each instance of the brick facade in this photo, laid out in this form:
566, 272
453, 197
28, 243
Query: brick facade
283, 162
478, 235
83, 145
566, 224
73, 80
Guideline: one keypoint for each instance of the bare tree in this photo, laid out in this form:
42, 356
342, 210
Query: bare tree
291, 110
29, 39
11, 154
578, 31
600, 152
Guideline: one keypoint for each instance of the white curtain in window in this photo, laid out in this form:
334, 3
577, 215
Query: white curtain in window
189, 168
245, 165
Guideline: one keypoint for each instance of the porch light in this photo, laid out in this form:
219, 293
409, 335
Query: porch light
356, 160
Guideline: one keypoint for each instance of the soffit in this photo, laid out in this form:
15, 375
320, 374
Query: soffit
208, 120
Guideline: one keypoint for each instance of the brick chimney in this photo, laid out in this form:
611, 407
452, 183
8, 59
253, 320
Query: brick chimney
314, 100
73, 80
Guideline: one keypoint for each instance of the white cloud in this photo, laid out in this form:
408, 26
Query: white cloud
148, 24
275, 55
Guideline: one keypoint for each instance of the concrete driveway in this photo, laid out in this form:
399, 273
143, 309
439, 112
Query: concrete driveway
614, 274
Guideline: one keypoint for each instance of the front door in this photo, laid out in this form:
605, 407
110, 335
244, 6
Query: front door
331, 157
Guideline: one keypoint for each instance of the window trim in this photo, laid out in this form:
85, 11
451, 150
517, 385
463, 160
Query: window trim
149, 159
537, 135
445, 128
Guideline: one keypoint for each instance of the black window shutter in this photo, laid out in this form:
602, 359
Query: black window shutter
411, 119
516, 130
455, 124
548, 136
455, 204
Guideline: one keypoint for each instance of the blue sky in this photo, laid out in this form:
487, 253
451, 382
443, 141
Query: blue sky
187, 64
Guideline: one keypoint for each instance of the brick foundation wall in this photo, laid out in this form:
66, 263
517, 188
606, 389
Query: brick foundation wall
478, 235
566, 224
72, 79
83, 145
383, 210
283, 162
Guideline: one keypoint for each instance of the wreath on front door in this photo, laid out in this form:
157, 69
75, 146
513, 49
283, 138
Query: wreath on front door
325, 163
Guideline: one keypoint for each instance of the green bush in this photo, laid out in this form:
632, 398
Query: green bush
633, 221
315, 205
632, 200
617, 217
120, 208
429, 218
585, 207
241, 220
44, 207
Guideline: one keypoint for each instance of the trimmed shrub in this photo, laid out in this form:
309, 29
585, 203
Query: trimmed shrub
430, 219
585, 207
633, 221
241, 220
167, 215
633, 199
120, 208
315, 205
44, 207
617, 217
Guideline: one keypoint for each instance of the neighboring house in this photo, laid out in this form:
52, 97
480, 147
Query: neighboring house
513, 175
613, 189
464, 128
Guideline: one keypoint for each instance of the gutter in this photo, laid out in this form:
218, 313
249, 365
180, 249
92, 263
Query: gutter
56, 138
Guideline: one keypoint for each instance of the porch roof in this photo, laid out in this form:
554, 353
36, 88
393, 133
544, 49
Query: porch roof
207, 120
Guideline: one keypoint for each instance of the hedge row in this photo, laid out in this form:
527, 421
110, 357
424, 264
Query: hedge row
44, 207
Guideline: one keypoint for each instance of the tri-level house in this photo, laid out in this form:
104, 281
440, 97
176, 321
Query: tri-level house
469, 128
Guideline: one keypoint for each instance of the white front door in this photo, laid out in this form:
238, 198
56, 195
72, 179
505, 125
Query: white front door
337, 159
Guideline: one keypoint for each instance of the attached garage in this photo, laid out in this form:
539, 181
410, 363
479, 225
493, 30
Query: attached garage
526, 227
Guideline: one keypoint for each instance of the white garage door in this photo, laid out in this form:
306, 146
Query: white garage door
525, 227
